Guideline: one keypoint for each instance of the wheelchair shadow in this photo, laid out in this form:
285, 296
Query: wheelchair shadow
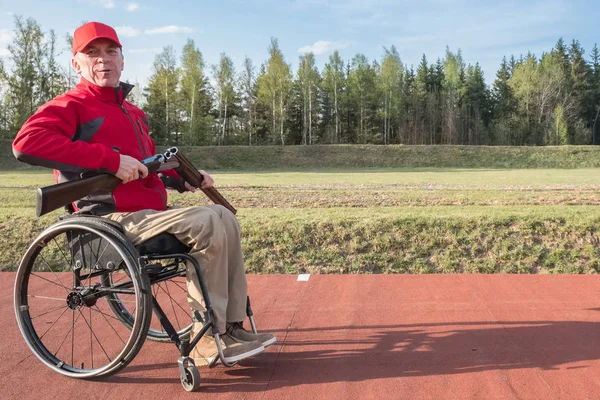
363, 353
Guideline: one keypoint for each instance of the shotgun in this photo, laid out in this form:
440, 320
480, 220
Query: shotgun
50, 198
186, 170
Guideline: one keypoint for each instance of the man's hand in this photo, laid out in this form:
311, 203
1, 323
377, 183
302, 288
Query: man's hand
130, 169
207, 182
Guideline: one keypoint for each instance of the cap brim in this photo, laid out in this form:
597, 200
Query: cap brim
86, 44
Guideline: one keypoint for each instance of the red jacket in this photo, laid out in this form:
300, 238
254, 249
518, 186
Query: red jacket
84, 130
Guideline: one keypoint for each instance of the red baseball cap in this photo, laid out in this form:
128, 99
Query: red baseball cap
91, 31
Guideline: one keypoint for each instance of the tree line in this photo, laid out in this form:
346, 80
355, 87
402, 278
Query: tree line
551, 99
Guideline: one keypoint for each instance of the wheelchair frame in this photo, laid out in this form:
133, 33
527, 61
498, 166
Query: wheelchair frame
142, 274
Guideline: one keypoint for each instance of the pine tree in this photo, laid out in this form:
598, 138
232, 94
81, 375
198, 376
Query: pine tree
502, 105
476, 105
581, 130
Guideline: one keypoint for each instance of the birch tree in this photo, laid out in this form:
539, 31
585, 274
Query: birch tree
248, 95
224, 76
390, 82
334, 83
308, 77
195, 96
274, 89
162, 98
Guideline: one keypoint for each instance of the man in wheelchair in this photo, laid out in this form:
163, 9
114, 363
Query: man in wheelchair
94, 128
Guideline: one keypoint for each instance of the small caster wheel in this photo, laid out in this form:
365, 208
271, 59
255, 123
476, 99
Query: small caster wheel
191, 380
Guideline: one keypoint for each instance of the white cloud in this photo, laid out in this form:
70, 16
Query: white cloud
5, 36
126, 31
132, 7
104, 3
323, 47
169, 29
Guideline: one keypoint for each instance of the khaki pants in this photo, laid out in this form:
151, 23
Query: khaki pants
213, 234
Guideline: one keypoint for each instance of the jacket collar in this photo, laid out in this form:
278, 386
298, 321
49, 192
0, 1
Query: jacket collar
108, 94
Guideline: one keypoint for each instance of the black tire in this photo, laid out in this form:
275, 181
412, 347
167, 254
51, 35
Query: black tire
98, 261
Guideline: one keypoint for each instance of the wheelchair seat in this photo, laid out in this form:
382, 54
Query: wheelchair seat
163, 243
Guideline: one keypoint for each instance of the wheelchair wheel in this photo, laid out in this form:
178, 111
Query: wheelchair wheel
65, 285
170, 292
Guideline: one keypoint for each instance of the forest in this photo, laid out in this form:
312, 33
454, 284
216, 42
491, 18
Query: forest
534, 100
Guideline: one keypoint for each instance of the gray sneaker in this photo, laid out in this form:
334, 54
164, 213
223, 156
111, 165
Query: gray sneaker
236, 331
206, 353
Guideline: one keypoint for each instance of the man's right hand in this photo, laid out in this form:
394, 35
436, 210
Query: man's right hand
130, 169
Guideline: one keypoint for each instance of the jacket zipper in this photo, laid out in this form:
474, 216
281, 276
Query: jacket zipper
162, 196
137, 134
144, 154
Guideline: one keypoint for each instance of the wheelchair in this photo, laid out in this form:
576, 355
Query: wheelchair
84, 298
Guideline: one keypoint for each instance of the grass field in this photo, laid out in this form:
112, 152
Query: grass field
384, 220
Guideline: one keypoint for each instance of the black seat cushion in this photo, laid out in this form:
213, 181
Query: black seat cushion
163, 243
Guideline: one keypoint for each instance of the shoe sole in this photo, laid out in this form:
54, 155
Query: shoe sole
212, 361
247, 354
269, 342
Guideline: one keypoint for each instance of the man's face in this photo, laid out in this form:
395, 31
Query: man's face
101, 63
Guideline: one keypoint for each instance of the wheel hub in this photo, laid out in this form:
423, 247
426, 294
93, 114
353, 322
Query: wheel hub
74, 300
77, 300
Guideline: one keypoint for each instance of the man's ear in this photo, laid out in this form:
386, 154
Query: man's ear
75, 65
122, 62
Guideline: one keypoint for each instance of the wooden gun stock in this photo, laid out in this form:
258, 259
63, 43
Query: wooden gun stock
191, 175
50, 198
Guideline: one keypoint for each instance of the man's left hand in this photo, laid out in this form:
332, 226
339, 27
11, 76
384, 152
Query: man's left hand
207, 182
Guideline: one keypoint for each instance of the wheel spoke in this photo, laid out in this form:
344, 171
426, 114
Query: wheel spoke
102, 347
47, 330
70, 261
179, 305
179, 286
91, 342
172, 306
44, 297
108, 322
48, 280
73, 339
66, 336
54, 273
48, 312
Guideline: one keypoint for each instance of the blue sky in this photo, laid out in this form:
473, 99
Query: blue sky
484, 30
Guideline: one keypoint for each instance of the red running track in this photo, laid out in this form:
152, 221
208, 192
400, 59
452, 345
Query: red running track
370, 337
